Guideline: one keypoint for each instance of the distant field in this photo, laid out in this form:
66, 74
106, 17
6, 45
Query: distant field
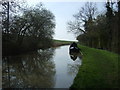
61, 42
99, 69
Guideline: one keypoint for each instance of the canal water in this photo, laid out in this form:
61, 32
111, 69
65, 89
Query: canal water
49, 68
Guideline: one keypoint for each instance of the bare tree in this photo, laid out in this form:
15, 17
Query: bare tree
87, 13
9, 10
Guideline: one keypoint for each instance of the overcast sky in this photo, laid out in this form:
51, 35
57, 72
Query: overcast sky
63, 12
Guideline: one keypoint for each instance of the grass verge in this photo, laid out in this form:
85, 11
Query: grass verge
99, 69
61, 42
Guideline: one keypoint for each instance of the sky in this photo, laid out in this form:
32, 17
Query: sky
63, 12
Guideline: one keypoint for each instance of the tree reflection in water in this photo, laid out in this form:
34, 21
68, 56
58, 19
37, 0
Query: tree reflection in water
35, 70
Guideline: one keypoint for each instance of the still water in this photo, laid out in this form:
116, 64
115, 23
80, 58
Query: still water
50, 68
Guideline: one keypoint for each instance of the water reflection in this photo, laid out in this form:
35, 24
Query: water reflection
35, 70
74, 55
74, 67
40, 69
63, 63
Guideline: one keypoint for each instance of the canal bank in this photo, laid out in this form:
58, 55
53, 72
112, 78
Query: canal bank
57, 43
99, 69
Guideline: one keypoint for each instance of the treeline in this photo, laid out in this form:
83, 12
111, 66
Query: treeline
26, 28
98, 30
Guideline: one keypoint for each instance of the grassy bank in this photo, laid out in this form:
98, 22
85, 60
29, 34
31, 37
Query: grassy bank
61, 42
99, 69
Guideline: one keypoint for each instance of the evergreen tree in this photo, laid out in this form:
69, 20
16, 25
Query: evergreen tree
109, 20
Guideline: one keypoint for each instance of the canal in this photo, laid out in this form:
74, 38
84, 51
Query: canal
49, 68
